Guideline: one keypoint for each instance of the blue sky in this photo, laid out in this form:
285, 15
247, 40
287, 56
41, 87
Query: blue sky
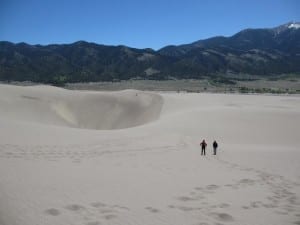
137, 23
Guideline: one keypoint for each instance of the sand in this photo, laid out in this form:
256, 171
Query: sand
132, 157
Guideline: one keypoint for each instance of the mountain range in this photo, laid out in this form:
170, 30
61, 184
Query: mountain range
254, 52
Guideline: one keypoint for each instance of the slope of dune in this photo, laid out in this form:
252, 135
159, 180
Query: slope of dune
137, 158
103, 111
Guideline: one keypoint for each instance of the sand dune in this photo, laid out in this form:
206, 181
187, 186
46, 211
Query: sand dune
66, 158
90, 110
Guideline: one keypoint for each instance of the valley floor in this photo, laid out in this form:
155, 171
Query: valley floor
214, 85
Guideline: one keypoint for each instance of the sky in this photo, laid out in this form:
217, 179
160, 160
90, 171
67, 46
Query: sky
137, 23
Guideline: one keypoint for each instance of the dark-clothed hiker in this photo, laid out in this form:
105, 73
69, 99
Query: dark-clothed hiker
215, 146
203, 146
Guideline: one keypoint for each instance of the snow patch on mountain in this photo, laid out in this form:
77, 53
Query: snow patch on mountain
294, 26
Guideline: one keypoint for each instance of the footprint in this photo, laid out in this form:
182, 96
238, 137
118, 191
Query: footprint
272, 199
223, 205
52, 212
232, 186
269, 205
255, 204
186, 198
74, 207
184, 208
293, 200
247, 181
224, 217
153, 210
120, 207
110, 217
212, 187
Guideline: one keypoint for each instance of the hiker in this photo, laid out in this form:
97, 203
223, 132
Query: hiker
215, 146
203, 146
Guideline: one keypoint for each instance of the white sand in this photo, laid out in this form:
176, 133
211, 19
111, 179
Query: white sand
144, 166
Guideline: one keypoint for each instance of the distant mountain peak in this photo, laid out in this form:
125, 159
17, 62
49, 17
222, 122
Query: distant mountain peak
294, 25
287, 26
